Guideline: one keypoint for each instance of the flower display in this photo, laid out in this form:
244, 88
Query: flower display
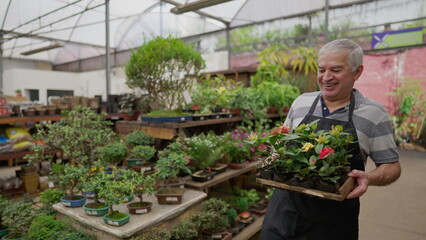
304, 154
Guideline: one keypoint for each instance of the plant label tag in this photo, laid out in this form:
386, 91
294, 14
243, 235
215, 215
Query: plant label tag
142, 210
138, 162
182, 118
217, 236
51, 184
171, 199
187, 97
91, 212
67, 204
146, 169
112, 223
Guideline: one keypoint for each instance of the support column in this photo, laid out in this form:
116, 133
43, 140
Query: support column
1, 60
228, 45
327, 9
107, 50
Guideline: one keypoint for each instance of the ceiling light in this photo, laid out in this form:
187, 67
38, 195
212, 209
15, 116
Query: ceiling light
42, 49
193, 6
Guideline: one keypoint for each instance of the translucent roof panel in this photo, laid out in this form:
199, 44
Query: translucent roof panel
79, 25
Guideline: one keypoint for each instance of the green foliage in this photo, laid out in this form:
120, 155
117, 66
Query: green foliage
235, 147
275, 94
144, 152
246, 198
166, 113
51, 196
113, 153
138, 137
44, 228
205, 96
203, 150
269, 192
212, 218
78, 134
158, 234
142, 184
68, 177
306, 153
94, 179
117, 188
184, 230
170, 165
231, 214
164, 68
18, 215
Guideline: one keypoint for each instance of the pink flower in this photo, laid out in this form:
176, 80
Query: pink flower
325, 152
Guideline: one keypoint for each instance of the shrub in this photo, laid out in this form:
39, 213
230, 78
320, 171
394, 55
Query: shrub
51, 196
113, 153
138, 137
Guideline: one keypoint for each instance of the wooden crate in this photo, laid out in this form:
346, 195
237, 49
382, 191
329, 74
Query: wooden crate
339, 196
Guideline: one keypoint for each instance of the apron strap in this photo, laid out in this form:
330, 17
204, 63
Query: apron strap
351, 106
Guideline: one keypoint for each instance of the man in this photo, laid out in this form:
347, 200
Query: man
292, 215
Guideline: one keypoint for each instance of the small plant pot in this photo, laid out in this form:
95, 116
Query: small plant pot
139, 207
219, 168
237, 165
93, 209
28, 112
133, 117
272, 110
235, 228
200, 117
116, 222
202, 176
147, 168
170, 195
29, 169
13, 236
131, 162
215, 116
244, 219
226, 114
73, 201
89, 195
166, 119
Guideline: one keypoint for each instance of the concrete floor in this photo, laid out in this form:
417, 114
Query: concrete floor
397, 211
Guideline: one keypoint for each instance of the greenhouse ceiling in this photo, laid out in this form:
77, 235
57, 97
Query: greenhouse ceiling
60, 31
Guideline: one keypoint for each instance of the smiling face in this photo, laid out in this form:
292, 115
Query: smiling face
335, 78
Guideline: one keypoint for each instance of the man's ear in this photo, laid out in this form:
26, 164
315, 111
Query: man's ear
358, 71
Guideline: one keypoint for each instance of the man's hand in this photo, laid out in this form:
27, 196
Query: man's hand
384, 174
361, 183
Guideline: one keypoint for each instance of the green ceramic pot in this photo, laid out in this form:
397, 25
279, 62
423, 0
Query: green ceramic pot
116, 222
90, 209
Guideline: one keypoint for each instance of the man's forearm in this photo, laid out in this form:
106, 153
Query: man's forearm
384, 174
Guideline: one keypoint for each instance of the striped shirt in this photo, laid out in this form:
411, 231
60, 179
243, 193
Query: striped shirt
371, 120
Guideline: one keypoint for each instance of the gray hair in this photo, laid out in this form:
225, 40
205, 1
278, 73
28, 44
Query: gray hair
343, 44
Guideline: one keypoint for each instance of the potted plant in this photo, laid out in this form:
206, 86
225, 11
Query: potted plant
234, 226
204, 153
140, 158
69, 179
17, 217
236, 150
132, 105
308, 158
113, 153
92, 182
77, 135
168, 168
164, 68
205, 96
138, 137
212, 221
49, 197
176, 115
243, 201
113, 193
185, 230
142, 184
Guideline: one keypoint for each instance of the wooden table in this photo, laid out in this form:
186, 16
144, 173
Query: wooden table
250, 230
139, 224
221, 177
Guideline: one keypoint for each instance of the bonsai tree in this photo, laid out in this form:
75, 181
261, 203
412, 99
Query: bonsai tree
113, 153
164, 68
245, 199
213, 218
116, 190
169, 166
142, 184
184, 230
69, 178
145, 153
77, 135
93, 181
17, 217
138, 137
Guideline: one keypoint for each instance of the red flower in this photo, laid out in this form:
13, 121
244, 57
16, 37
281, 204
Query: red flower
281, 129
325, 152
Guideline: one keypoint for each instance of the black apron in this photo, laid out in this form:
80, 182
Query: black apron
291, 215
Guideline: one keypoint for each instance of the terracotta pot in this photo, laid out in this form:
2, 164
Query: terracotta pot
139, 208
170, 195
133, 117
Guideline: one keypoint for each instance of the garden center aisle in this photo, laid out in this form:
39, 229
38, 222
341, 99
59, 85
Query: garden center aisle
398, 211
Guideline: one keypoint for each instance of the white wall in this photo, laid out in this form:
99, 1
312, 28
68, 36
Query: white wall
86, 84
